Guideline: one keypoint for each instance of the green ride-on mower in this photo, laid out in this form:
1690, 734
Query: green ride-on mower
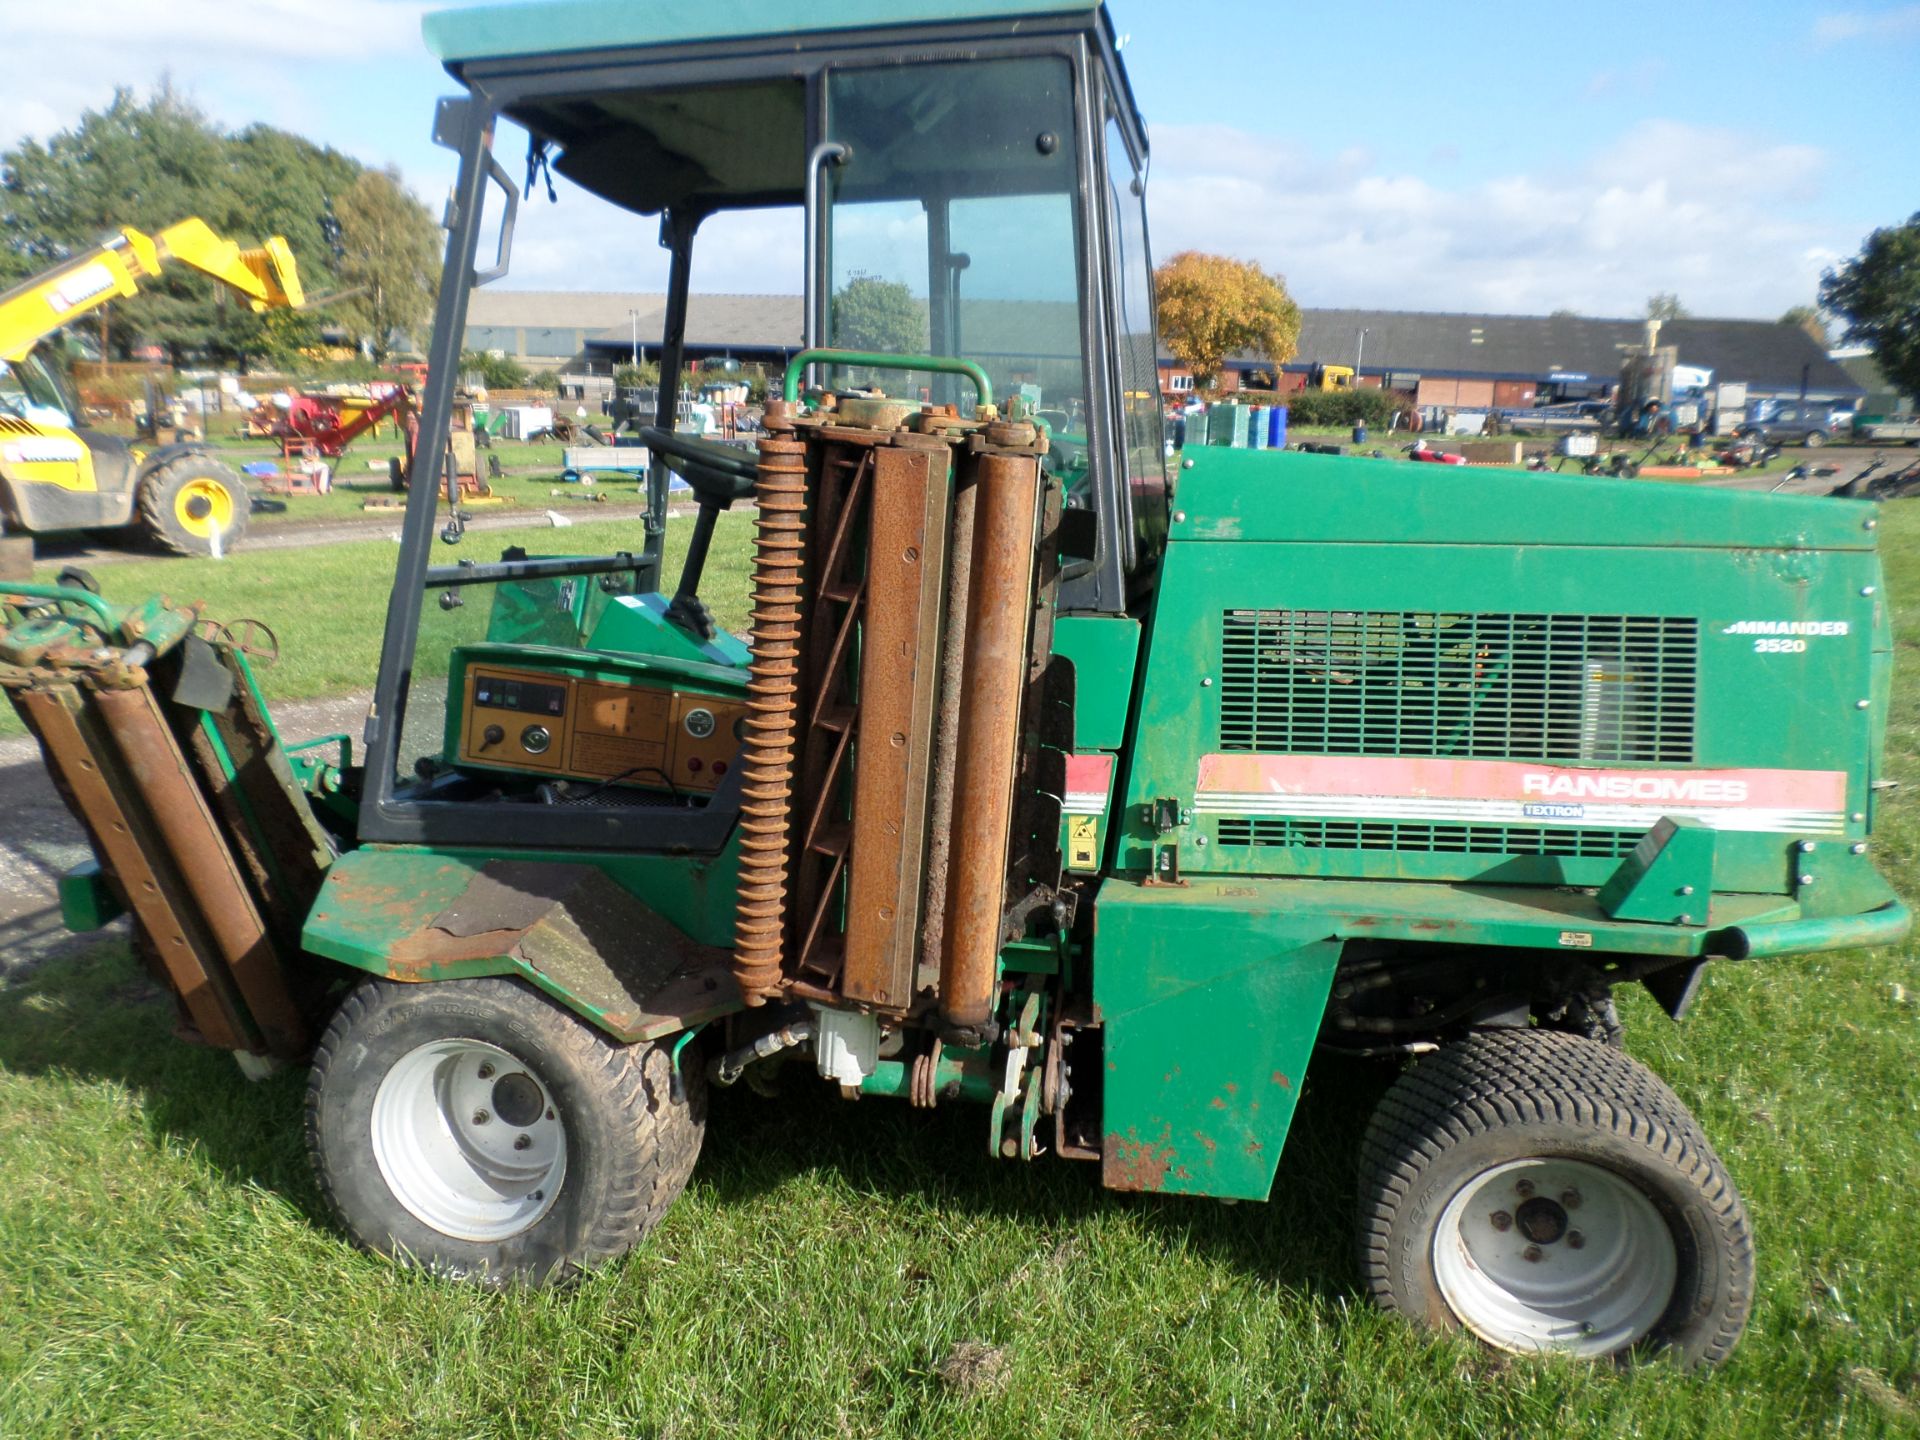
1097, 793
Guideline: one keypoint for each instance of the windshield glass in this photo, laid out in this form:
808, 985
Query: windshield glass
30, 390
952, 230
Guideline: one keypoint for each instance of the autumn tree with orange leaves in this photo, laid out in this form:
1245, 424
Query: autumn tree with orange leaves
1211, 306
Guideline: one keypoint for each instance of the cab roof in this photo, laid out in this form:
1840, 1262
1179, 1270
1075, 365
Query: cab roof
551, 27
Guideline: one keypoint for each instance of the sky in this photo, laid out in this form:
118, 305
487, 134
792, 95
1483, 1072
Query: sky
1431, 156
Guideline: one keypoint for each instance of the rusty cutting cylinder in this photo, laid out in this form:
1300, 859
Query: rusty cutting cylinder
986, 751
768, 746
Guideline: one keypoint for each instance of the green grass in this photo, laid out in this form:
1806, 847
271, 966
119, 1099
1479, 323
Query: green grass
165, 1267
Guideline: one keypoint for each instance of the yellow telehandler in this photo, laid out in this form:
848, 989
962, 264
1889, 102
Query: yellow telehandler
57, 474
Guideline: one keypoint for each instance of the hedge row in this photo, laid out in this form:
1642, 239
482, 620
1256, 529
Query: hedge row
1332, 407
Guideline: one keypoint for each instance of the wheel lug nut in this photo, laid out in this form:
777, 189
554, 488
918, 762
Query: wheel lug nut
481, 1117
521, 1142
486, 1069
1570, 1199
1532, 1252
549, 1112
1501, 1220
1523, 1188
1575, 1239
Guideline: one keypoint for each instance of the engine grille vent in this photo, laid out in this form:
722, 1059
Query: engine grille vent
1434, 839
1476, 686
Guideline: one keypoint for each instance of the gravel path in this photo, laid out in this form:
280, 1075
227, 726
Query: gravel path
39, 839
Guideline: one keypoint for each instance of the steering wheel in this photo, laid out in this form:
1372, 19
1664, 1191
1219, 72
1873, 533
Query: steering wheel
718, 474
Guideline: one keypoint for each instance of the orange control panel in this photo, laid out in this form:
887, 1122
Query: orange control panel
557, 725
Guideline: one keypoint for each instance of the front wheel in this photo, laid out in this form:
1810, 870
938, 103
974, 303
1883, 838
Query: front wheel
194, 504
1815, 439
473, 1128
1546, 1192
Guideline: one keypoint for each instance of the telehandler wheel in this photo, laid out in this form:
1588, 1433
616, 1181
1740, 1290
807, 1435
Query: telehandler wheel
188, 500
473, 1128
1547, 1192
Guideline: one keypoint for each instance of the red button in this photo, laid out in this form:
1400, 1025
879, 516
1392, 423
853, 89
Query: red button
719, 767
694, 765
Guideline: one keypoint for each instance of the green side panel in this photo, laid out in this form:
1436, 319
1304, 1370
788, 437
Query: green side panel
550, 611
1290, 495
1104, 650
637, 625
1812, 703
86, 902
497, 31
415, 883
1210, 996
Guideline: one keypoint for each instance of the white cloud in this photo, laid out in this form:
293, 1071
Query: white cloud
585, 244
1841, 26
276, 54
1666, 207
264, 29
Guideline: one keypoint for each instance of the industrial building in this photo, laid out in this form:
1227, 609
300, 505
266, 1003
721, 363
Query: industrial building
1445, 360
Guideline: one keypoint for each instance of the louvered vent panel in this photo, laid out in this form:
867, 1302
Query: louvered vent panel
1433, 839
1568, 688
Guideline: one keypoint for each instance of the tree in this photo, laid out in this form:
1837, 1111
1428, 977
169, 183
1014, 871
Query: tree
1664, 305
496, 372
1211, 306
144, 164
1878, 294
879, 315
391, 267
1808, 319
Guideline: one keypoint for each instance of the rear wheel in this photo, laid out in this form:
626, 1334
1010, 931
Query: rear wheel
1546, 1192
1815, 439
193, 503
474, 1129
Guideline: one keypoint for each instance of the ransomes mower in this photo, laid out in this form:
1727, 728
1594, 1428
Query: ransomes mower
1098, 792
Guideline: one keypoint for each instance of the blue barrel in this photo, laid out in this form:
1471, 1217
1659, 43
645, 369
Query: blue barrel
1277, 428
1257, 428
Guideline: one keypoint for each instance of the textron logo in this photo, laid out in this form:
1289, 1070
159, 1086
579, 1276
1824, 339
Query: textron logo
1698, 790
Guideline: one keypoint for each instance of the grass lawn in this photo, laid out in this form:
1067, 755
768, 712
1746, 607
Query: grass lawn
165, 1267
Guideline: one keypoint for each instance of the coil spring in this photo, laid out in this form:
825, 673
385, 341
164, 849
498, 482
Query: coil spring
768, 747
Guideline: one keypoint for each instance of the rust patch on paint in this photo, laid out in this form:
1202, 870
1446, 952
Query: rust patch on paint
1217, 1103
1128, 1164
1280, 1079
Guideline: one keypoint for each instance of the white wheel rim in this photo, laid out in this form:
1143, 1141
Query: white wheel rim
469, 1140
1551, 1254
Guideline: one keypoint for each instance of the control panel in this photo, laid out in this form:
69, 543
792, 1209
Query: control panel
648, 735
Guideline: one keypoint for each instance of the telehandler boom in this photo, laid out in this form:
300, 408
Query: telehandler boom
57, 473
